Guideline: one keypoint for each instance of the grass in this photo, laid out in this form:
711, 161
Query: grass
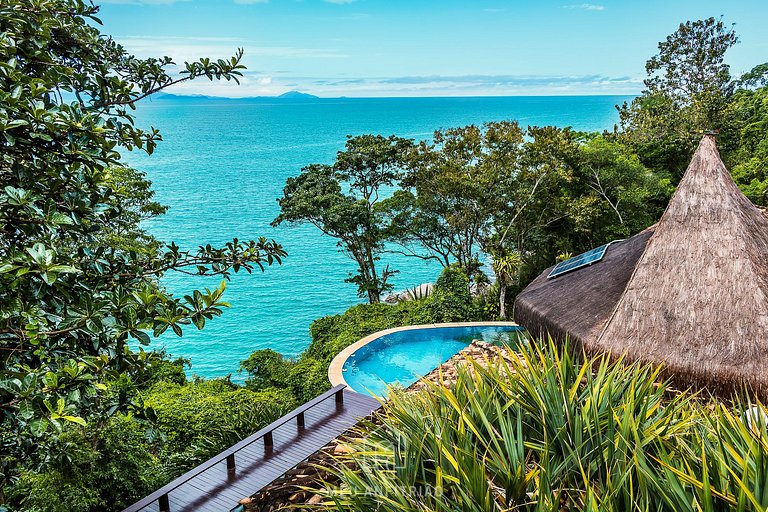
552, 431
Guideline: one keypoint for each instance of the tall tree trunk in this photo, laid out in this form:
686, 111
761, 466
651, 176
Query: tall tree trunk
503, 300
374, 296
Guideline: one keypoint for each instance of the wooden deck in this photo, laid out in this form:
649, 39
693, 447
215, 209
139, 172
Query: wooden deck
213, 487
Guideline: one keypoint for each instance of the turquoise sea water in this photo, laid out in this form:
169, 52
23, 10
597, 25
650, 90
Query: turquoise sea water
401, 358
222, 165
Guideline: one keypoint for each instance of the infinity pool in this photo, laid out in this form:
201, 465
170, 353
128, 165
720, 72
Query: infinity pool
403, 357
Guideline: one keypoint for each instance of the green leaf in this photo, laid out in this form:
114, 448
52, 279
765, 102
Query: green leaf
75, 419
38, 427
26, 410
51, 380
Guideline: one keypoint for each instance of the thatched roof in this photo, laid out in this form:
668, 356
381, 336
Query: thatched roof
576, 305
696, 295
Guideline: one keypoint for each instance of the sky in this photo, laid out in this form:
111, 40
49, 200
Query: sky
379, 48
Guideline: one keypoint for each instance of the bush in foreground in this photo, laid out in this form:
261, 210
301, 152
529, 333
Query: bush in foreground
556, 432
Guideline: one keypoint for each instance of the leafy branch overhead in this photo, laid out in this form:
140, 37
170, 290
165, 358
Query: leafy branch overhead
78, 274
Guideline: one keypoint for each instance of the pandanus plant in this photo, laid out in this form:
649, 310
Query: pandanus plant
506, 266
549, 431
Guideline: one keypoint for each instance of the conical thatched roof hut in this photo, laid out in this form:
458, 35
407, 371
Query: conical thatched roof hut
691, 291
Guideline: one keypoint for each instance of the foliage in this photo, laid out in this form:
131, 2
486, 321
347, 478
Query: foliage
199, 420
449, 190
163, 369
266, 369
74, 285
554, 431
756, 77
688, 90
132, 195
571, 192
308, 378
615, 196
102, 467
341, 200
750, 161
450, 300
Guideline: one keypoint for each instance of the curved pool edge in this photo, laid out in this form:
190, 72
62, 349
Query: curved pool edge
335, 370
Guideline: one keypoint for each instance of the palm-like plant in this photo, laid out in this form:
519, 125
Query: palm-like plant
506, 266
550, 431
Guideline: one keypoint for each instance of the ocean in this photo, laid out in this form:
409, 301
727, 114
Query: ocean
222, 165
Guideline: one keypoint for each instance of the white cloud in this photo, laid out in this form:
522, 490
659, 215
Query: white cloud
183, 49
340, 2
586, 7
272, 84
248, 2
142, 2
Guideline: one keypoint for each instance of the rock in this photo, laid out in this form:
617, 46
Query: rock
392, 298
342, 449
418, 292
315, 500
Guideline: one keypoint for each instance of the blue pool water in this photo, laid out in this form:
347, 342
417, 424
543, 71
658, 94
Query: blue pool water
401, 358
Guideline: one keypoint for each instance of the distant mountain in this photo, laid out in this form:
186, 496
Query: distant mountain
290, 95
296, 95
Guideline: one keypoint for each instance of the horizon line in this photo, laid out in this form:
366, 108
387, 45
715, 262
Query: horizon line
310, 96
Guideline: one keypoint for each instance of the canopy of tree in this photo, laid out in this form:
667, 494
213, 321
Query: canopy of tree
78, 275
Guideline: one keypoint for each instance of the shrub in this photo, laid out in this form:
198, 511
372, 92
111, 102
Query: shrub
204, 418
308, 378
98, 467
266, 369
451, 300
555, 432
163, 369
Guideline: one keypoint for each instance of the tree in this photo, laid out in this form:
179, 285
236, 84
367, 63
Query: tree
133, 196
507, 269
688, 90
341, 201
452, 189
690, 65
418, 225
749, 160
535, 204
621, 196
68, 303
756, 77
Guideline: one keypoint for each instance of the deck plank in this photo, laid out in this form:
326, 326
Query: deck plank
257, 466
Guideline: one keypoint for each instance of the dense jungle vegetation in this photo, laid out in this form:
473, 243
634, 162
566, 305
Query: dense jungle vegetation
90, 423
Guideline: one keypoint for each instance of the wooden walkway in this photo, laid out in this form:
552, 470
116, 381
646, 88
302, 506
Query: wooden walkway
220, 483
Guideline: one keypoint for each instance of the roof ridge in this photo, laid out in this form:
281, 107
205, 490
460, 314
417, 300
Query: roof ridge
707, 197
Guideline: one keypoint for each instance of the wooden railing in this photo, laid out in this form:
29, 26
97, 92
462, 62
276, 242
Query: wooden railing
161, 495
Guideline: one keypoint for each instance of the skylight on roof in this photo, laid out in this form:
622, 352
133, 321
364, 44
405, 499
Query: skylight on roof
577, 262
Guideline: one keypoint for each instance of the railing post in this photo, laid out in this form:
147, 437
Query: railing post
300, 420
268, 439
231, 465
340, 396
165, 505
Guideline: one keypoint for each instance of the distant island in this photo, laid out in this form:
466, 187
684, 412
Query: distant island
296, 95
290, 95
